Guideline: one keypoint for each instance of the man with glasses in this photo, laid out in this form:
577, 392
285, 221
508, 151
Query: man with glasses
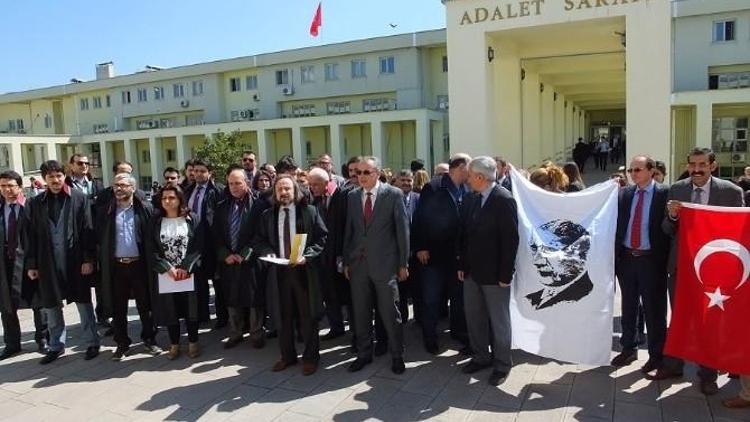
641, 253
325, 162
248, 164
376, 259
122, 229
80, 177
16, 291
171, 178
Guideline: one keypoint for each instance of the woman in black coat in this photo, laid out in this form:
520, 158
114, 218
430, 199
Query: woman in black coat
175, 253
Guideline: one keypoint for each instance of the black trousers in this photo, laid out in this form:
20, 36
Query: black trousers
643, 280
174, 332
333, 296
203, 293
220, 304
12, 328
294, 294
129, 280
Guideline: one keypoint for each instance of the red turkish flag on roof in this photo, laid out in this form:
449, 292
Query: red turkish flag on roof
317, 21
712, 292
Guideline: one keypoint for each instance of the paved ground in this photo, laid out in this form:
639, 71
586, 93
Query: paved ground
237, 385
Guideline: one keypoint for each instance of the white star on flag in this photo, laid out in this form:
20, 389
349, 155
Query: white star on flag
716, 298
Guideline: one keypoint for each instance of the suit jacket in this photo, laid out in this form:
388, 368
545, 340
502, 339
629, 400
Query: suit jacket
211, 197
413, 204
383, 245
334, 218
723, 194
658, 240
16, 291
489, 238
437, 222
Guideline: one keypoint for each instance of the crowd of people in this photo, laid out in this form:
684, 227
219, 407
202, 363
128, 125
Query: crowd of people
374, 242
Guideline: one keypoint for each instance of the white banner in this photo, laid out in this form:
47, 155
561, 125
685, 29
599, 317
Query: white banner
563, 290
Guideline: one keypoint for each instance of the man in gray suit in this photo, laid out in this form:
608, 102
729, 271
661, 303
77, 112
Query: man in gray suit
700, 188
376, 257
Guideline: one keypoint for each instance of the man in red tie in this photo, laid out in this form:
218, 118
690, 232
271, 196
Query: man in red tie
641, 253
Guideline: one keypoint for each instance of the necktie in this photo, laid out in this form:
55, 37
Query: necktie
698, 196
635, 229
234, 225
197, 201
12, 235
368, 209
287, 235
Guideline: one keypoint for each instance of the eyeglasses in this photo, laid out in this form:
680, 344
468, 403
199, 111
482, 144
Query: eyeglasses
170, 177
82, 163
364, 172
121, 186
250, 160
635, 170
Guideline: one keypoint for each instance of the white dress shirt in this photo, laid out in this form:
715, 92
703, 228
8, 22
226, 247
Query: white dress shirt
374, 196
292, 227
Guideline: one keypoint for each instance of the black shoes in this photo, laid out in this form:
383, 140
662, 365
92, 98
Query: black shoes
496, 377
626, 357
119, 353
397, 366
650, 365
91, 352
358, 364
9, 351
220, 323
473, 367
332, 335
51, 356
233, 342
709, 388
381, 348
431, 347
151, 348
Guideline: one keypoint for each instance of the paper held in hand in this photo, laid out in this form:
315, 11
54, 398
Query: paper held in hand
298, 249
168, 285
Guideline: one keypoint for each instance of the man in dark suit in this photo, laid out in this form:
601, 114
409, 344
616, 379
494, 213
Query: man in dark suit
700, 188
203, 195
641, 252
299, 287
410, 288
16, 291
489, 243
376, 258
435, 229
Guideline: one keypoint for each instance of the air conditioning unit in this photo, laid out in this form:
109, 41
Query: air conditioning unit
443, 106
287, 90
185, 103
256, 97
738, 157
246, 114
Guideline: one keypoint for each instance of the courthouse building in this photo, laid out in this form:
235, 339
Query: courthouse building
524, 79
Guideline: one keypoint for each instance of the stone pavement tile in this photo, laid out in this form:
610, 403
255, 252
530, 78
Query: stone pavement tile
70, 392
192, 393
682, 387
135, 401
366, 399
430, 379
268, 407
556, 373
636, 412
573, 414
404, 407
740, 417
593, 393
105, 417
631, 386
6, 395
546, 397
718, 411
269, 379
512, 392
545, 415
37, 412
677, 408
229, 403
322, 401
489, 413
165, 415
289, 416
13, 407
341, 377
305, 384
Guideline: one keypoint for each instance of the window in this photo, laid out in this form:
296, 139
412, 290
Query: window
308, 74
126, 97
724, 31
142, 95
97, 102
15, 125
197, 88
730, 134
303, 110
146, 156
234, 85
282, 77
251, 82
47, 121
332, 71
445, 64
178, 90
158, 92
339, 107
358, 69
171, 155
101, 128
108, 101
378, 104
84, 103
387, 65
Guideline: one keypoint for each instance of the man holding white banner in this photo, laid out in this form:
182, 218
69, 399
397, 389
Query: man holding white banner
563, 293
488, 244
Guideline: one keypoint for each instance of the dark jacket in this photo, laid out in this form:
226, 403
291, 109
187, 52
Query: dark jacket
169, 308
658, 240
436, 222
307, 221
16, 291
240, 284
81, 248
105, 236
334, 218
213, 195
489, 238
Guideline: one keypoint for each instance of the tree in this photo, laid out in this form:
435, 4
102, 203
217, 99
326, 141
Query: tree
221, 150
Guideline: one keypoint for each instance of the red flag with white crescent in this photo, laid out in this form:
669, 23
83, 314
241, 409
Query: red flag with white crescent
712, 291
317, 21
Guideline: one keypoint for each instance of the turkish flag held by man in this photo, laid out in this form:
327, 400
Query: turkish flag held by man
317, 21
712, 293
